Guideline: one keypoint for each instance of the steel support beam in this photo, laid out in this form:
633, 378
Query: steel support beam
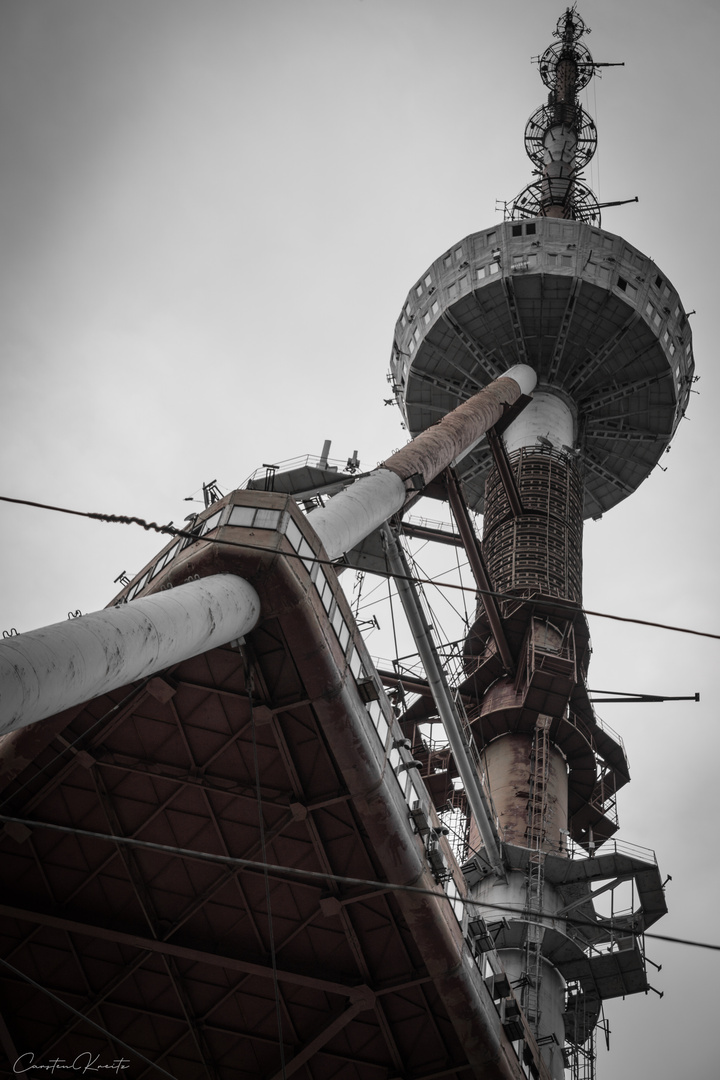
181, 952
311, 1048
443, 700
502, 464
477, 565
426, 532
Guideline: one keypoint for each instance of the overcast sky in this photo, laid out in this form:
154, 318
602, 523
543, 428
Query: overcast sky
210, 215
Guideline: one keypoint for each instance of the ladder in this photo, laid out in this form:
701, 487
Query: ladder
582, 1060
536, 827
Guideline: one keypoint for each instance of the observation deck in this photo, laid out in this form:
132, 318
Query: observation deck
601, 324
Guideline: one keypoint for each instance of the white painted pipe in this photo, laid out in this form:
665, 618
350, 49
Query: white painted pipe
546, 417
51, 669
524, 376
358, 510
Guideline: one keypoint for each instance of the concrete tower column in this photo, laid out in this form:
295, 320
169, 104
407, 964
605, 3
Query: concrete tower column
507, 763
527, 775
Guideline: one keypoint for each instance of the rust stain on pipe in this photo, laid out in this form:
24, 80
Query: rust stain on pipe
437, 447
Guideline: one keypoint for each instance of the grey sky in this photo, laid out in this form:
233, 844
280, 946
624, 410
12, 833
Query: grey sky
210, 216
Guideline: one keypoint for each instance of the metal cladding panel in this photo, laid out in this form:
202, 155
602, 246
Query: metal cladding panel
596, 318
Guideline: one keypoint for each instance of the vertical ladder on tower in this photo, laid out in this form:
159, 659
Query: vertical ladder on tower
581, 1061
537, 815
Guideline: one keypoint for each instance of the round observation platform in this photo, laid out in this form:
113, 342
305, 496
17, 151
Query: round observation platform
601, 325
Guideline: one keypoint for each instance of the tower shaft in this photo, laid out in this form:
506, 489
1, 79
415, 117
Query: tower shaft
608, 338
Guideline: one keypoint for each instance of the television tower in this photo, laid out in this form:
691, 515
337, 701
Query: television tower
604, 330
223, 831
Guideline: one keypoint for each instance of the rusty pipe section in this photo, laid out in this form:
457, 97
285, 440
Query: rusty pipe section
438, 446
51, 669
362, 507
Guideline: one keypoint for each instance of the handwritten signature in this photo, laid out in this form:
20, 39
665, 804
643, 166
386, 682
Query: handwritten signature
83, 1063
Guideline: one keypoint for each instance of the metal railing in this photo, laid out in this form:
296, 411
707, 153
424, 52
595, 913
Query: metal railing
617, 847
314, 460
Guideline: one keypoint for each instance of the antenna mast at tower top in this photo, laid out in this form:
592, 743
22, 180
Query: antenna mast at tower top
560, 137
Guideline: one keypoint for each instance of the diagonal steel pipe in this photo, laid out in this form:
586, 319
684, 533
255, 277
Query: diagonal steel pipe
371, 500
51, 669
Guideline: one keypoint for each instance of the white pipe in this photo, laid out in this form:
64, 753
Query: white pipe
358, 510
524, 376
51, 669
547, 416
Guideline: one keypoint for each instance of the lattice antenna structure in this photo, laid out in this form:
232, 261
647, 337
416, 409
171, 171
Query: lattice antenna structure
560, 137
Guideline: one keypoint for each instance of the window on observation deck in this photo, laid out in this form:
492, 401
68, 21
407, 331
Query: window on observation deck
668, 341
627, 288
526, 228
653, 314
663, 288
602, 239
